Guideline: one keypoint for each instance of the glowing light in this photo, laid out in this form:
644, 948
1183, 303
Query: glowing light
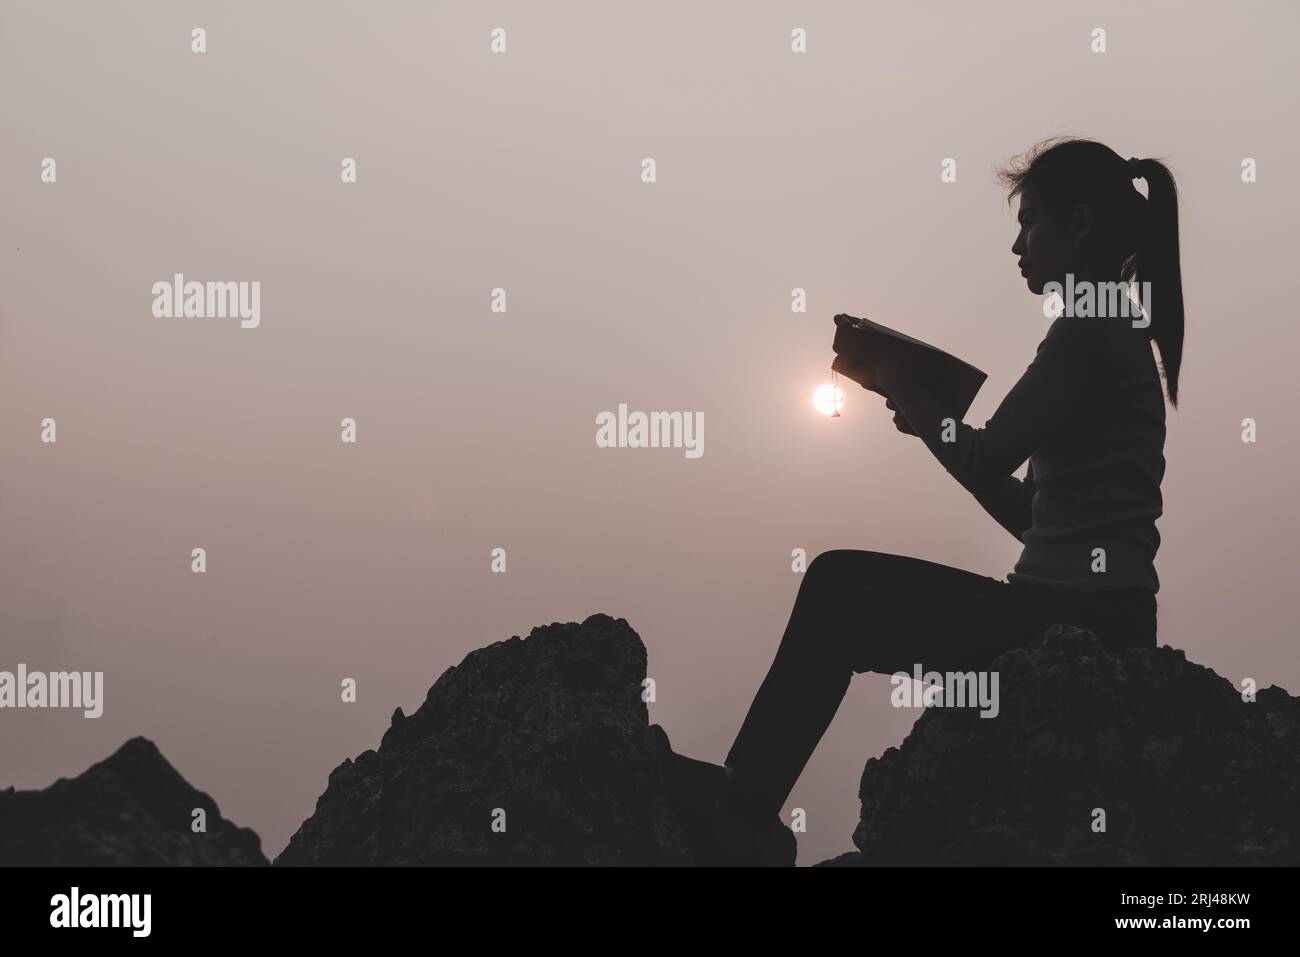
829, 399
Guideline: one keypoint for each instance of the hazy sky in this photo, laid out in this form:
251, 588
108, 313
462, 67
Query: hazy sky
476, 429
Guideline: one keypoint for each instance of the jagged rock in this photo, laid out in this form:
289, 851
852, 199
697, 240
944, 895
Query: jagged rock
1186, 771
132, 809
549, 731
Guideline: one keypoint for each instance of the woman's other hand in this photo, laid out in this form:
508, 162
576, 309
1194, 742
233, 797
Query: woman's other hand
900, 422
878, 378
885, 381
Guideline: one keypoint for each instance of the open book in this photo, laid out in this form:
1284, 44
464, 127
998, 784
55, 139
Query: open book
862, 346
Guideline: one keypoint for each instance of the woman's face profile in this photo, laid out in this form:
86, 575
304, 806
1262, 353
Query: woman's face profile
1045, 248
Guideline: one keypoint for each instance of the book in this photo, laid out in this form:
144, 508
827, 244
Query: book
862, 346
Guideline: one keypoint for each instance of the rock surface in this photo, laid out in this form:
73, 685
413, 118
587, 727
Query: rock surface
548, 739
547, 736
1186, 772
132, 809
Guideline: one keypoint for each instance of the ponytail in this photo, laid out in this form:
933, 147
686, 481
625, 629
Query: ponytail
1157, 262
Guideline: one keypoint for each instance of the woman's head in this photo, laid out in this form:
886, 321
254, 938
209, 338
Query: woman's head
1081, 214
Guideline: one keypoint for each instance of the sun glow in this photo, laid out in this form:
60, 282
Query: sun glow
829, 399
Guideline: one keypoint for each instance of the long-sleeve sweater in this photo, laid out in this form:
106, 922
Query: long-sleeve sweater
1089, 415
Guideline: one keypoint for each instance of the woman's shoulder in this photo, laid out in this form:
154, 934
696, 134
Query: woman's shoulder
1094, 336
1070, 338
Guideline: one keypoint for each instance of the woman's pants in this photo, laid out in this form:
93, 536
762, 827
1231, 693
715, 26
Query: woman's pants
860, 611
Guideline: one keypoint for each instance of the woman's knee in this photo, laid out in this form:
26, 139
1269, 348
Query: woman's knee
845, 566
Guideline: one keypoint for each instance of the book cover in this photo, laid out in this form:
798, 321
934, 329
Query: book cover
862, 346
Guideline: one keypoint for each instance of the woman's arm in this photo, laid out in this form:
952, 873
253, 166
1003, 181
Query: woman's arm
1010, 503
1050, 391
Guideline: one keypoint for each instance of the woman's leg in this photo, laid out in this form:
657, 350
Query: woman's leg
863, 611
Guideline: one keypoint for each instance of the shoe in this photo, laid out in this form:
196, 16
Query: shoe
747, 839
718, 827
693, 788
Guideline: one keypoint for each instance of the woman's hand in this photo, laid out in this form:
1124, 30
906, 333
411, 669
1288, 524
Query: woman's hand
878, 378
885, 381
900, 422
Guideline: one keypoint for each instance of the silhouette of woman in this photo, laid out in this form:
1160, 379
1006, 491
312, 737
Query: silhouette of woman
1088, 415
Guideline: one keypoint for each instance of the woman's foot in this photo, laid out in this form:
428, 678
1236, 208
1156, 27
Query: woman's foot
746, 837
692, 788
702, 795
